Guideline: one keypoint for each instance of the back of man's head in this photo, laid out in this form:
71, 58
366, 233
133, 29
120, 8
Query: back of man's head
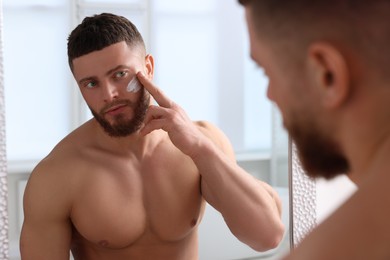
359, 26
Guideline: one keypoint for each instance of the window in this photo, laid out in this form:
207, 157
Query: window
36, 77
202, 62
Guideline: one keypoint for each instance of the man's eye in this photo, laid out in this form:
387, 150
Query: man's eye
91, 84
120, 74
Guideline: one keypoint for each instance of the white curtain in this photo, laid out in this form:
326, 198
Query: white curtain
3, 157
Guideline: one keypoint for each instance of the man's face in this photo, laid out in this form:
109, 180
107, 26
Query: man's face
121, 125
299, 103
103, 77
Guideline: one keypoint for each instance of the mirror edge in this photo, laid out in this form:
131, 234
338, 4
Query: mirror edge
4, 241
302, 199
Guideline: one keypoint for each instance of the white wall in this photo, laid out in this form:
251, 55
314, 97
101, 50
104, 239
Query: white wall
216, 242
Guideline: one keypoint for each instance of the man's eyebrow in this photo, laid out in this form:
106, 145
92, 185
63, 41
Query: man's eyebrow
116, 68
86, 79
107, 73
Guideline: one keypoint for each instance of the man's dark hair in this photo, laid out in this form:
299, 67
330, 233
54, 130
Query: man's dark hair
99, 31
361, 27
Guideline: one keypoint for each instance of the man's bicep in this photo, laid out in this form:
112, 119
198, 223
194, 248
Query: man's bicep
45, 240
46, 231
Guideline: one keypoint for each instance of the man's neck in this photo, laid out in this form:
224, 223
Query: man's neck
134, 144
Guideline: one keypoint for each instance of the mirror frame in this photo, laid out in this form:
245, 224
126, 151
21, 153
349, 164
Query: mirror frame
4, 241
302, 199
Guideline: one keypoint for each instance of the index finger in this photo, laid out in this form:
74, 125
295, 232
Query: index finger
156, 93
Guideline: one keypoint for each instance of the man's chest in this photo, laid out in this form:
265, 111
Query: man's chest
118, 205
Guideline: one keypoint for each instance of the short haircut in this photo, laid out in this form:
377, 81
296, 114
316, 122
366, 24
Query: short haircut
99, 31
359, 26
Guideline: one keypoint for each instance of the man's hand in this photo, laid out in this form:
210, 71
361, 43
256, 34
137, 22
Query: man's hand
171, 118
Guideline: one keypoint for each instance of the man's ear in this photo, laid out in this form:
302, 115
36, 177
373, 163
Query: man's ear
149, 66
329, 71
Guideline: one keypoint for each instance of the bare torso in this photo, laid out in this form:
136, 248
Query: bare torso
130, 205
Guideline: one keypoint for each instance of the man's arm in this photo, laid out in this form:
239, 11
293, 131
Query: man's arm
46, 231
250, 207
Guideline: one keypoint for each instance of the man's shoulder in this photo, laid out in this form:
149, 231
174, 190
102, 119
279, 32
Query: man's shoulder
207, 127
204, 124
56, 177
211, 131
70, 147
216, 135
64, 158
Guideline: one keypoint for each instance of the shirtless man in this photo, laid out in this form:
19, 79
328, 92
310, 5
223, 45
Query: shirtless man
328, 64
132, 182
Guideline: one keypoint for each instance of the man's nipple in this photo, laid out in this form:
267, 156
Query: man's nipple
103, 243
193, 222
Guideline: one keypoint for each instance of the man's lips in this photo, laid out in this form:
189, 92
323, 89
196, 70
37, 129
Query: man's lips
114, 109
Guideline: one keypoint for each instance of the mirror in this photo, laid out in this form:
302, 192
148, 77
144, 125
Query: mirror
313, 200
192, 42
303, 200
3, 159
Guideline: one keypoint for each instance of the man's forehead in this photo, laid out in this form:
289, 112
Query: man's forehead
106, 59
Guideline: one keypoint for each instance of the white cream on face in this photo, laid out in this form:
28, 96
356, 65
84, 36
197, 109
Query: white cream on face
134, 85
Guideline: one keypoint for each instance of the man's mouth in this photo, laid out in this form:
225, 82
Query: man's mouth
115, 109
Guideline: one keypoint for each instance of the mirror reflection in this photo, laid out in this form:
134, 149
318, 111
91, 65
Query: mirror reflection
201, 62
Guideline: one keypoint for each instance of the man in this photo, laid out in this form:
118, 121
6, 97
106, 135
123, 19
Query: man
132, 182
328, 66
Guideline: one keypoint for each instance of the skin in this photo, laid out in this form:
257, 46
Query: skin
346, 102
141, 196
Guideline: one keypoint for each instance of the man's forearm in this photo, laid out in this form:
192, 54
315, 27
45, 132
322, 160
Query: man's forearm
249, 209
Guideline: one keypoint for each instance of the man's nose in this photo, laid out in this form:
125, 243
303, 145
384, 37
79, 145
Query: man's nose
110, 92
270, 92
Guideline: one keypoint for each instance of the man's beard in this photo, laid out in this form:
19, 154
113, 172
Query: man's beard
124, 127
319, 154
